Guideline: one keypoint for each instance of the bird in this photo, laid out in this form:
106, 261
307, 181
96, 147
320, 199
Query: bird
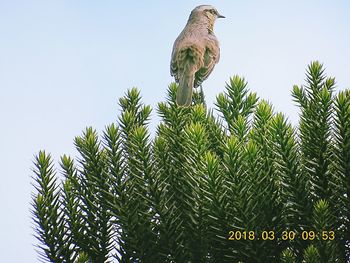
195, 52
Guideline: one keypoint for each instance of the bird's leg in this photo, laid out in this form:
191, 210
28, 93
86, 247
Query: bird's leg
198, 96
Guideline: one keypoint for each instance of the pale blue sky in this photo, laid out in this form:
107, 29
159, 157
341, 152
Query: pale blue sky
64, 64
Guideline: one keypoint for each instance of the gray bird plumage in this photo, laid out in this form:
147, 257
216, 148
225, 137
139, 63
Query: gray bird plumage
195, 52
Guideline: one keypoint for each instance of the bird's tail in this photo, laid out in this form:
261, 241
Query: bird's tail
186, 80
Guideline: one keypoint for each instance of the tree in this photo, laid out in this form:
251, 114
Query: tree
244, 186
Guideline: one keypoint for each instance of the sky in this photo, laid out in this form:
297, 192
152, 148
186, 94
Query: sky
64, 65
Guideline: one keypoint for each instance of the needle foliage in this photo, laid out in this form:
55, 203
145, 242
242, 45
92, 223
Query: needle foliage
243, 185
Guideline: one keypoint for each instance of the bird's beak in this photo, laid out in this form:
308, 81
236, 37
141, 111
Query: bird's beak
220, 16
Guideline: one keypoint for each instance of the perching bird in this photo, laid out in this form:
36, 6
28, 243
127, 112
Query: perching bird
195, 52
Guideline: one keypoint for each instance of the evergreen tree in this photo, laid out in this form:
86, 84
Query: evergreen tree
240, 186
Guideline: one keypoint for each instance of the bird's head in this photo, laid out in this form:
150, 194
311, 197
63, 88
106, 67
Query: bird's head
205, 13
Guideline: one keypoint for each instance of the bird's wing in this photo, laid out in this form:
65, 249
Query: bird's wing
211, 57
174, 68
173, 65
